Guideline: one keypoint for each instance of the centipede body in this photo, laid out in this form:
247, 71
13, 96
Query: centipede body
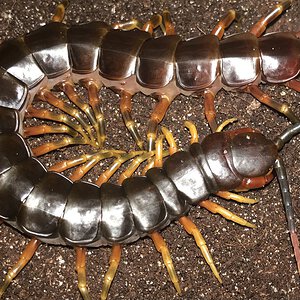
224, 255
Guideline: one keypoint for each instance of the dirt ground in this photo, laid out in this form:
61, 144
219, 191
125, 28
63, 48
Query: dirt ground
254, 264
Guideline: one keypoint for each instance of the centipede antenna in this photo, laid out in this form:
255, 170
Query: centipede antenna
235, 197
25, 257
81, 272
193, 131
218, 209
113, 266
289, 211
287, 135
161, 247
192, 229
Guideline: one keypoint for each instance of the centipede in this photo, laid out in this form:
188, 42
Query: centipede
8, 112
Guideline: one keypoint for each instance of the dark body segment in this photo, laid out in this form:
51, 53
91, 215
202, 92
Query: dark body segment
16, 184
19, 62
197, 62
117, 224
118, 53
176, 205
219, 158
83, 42
13, 92
9, 120
82, 214
280, 54
49, 47
146, 203
240, 60
186, 175
40, 213
12, 151
156, 61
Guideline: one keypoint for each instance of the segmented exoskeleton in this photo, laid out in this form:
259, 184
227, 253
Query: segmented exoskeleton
45, 206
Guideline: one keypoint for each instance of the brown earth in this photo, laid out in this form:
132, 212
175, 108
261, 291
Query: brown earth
254, 264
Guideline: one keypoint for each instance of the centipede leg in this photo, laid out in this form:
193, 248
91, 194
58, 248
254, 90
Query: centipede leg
81, 271
235, 197
169, 26
259, 28
125, 106
156, 117
161, 247
266, 99
255, 182
294, 84
25, 257
191, 228
59, 14
111, 272
223, 24
218, 209
209, 109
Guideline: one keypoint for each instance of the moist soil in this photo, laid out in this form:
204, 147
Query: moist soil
253, 263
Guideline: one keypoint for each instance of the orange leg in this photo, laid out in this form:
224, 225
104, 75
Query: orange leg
193, 131
111, 272
45, 129
238, 198
125, 106
294, 84
161, 247
191, 228
259, 28
218, 209
210, 110
25, 257
95, 102
59, 14
81, 271
156, 117
223, 24
265, 99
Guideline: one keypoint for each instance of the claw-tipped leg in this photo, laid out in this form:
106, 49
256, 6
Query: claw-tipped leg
80, 268
113, 266
191, 228
22, 262
161, 247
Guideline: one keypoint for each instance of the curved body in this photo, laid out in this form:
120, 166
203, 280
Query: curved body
50, 207
136, 62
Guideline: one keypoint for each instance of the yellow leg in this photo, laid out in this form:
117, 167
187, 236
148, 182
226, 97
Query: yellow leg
111, 272
236, 197
161, 247
60, 11
193, 131
218, 209
81, 271
191, 228
22, 262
